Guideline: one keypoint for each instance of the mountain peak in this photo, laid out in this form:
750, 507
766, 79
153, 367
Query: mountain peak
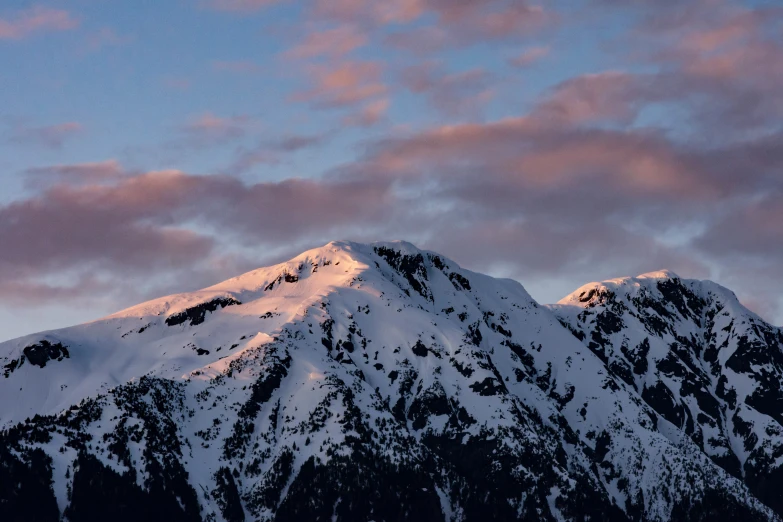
707, 365
659, 274
586, 295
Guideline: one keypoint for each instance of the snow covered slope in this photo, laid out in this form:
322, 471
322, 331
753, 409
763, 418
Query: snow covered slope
707, 365
354, 382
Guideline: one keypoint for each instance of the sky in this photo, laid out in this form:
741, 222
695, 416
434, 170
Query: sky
148, 148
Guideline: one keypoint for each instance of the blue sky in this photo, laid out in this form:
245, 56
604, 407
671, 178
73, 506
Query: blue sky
556, 143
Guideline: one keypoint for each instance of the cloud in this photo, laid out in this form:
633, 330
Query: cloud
521, 196
368, 13
209, 129
274, 151
340, 27
608, 97
337, 81
487, 18
560, 201
68, 228
521, 166
529, 56
298, 142
752, 230
452, 94
78, 174
142, 225
370, 114
461, 24
239, 6
50, 136
337, 41
36, 20
425, 26
33, 293
673, 162
718, 61
344, 84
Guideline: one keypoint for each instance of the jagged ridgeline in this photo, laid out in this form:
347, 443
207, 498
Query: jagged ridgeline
381, 382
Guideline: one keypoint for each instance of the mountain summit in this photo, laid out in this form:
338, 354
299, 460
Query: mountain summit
382, 382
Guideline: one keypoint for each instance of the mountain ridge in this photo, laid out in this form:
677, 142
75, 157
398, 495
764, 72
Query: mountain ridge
717, 370
352, 382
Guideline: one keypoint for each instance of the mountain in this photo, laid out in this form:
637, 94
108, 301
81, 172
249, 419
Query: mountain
708, 366
382, 382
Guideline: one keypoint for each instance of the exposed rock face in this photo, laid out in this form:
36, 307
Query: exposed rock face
381, 382
37, 354
195, 315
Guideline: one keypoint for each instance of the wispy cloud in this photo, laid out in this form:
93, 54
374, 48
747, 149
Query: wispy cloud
36, 20
337, 41
107, 37
453, 94
210, 129
239, 6
346, 83
238, 67
529, 56
274, 151
71, 175
368, 115
50, 136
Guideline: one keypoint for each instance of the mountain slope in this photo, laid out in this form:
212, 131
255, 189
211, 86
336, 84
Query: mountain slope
354, 382
705, 363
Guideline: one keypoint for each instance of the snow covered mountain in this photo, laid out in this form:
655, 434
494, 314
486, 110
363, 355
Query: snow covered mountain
382, 382
706, 364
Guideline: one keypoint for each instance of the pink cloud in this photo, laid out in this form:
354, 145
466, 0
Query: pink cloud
140, 222
719, 62
453, 94
36, 20
517, 159
369, 115
529, 56
538, 199
209, 129
344, 84
368, 13
336, 42
494, 17
457, 22
67, 226
611, 96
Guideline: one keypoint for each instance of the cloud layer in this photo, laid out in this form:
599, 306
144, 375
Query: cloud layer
669, 157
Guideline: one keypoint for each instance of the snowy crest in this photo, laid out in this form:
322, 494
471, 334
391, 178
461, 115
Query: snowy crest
381, 381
